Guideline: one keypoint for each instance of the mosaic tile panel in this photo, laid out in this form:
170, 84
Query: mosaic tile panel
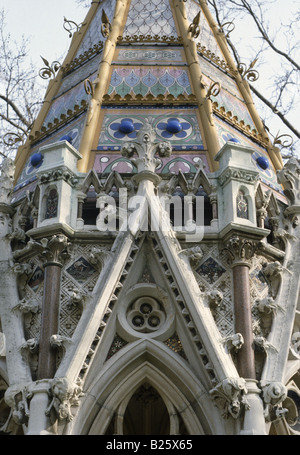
154, 81
37, 279
81, 270
188, 138
149, 55
81, 73
231, 103
67, 101
210, 270
217, 75
150, 17
187, 163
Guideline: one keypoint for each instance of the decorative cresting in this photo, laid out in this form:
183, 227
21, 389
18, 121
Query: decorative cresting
240, 251
54, 253
146, 148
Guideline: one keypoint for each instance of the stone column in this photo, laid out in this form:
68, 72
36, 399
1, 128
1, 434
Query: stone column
241, 251
39, 422
55, 253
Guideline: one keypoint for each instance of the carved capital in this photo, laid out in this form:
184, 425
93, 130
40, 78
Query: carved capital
240, 250
229, 396
55, 250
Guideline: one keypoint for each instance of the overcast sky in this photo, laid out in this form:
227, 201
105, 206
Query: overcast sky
42, 21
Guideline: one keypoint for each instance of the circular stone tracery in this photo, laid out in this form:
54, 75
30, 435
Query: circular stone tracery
146, 315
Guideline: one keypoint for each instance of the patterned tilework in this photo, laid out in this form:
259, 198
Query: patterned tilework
188, 138
149, 55
217, 75
150, 17
67, 101
85, 71
113, 161
145, 80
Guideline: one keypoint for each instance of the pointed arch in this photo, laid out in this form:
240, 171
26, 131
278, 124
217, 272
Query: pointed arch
110, 391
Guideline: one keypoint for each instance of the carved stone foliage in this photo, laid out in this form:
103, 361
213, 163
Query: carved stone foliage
55, 250
229, 397
17, 398
65, 394
146, 149
240, 249
6, 180
289, 177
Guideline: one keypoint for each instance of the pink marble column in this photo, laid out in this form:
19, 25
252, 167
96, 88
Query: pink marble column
241, 251
243, 320
54, 252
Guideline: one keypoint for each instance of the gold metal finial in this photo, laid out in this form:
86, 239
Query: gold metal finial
10, 139
89, 87
213, 90
227, 28
248, 73
71, 27
106, 25
49, 71
194, 27
283, 143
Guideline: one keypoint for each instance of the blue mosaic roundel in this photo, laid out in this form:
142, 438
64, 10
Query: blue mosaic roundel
126, 126
36, 159
173, 126
263, 162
